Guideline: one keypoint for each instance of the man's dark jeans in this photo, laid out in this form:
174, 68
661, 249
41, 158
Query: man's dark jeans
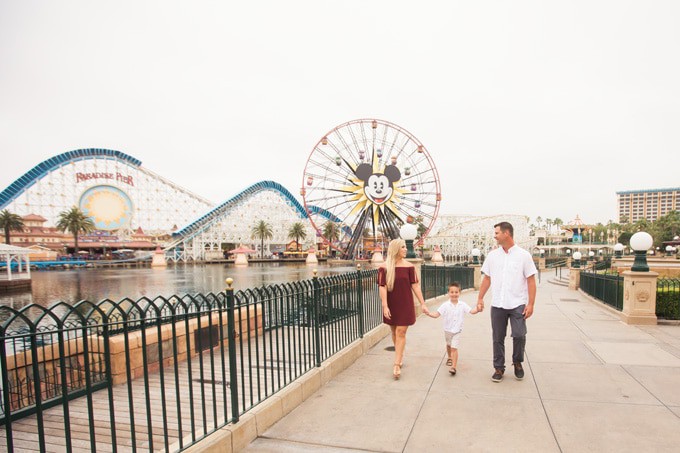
499, 326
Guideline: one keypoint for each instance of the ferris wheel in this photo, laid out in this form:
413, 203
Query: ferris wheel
365, 179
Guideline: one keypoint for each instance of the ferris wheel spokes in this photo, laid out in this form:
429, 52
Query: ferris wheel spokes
371, 176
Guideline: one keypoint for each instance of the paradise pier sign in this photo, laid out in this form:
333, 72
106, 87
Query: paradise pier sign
81, 177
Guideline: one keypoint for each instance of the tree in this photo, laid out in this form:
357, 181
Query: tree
297, 232
74, 221
331, 231
539, 220
10, 222
262, 230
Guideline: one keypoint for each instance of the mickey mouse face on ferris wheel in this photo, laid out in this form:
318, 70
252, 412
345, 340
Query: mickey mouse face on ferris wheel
378, 187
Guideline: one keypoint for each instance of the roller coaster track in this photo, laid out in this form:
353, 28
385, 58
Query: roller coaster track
214, 215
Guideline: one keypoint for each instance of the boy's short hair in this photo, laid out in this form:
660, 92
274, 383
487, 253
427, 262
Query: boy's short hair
456, 284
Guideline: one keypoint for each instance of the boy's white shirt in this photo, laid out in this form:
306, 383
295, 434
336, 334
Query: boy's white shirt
453, 315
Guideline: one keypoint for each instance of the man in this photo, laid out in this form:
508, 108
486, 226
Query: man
510, 272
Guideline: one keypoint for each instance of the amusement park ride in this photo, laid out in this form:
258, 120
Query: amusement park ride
363, 180
372, 176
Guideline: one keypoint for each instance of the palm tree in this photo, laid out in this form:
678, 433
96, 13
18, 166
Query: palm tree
558, 222
74, 221
10, 222
262, 230
297, 231
331, 231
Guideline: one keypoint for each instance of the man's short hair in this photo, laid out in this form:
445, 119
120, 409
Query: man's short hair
507, 227
456, 284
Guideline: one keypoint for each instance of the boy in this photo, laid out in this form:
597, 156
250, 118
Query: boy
453, 312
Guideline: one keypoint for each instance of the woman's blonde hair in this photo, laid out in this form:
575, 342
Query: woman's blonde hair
392, 257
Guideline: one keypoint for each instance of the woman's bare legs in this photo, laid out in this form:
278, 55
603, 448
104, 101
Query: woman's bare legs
399, 344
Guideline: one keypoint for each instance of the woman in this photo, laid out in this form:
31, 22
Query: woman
398, 282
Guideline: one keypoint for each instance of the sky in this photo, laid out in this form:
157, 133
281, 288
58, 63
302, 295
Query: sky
538, 108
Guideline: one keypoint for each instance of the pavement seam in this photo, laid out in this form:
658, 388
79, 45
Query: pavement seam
651, 393
311, 444
422, 404
540, 398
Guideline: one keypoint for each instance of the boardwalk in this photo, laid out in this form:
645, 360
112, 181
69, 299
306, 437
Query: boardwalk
592, 383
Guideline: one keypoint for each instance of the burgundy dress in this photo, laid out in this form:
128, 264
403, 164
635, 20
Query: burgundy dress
400, 299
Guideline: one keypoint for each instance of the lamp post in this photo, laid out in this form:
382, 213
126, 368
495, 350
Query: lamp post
669, 250
618, 250
577, 259
476, 253
591, 255
640, 242
408, 233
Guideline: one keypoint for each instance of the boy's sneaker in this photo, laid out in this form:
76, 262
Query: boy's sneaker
519, 371
497, 376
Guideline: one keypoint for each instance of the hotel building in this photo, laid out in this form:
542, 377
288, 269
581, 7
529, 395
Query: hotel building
647, 204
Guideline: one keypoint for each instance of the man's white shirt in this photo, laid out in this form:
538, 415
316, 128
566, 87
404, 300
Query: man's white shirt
509, 272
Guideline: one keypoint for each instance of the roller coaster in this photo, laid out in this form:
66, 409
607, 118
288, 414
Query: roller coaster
233, 220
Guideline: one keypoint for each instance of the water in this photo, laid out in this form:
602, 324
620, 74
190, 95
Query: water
71, 286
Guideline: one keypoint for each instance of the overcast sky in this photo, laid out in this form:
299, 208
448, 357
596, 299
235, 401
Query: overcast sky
540, 108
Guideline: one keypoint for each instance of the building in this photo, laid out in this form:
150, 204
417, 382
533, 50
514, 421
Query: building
648, 204
36, 234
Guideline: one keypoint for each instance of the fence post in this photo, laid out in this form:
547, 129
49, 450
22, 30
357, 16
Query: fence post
574, 278
639, 297
231, 334
360, 301
477, 276
316, 291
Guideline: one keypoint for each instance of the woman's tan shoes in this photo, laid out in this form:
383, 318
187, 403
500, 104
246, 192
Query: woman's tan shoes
396, 371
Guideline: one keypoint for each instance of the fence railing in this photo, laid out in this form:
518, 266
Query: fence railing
605, 287
435, 279
165, 373
668, 298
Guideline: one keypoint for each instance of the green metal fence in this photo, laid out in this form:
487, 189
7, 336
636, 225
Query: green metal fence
162, 374
668, 298
435, 280
606, 287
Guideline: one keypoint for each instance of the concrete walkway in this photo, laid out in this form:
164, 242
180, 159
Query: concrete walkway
592, 383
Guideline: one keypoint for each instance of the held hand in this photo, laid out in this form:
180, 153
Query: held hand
480, 305
425, 310
528, 311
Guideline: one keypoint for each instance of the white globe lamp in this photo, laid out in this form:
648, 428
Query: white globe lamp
640, 242
408, 233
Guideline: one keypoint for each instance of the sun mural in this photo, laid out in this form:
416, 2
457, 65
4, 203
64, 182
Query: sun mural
109, 207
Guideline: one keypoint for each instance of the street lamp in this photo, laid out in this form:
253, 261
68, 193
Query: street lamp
577, 259
591, 254
475, 255
669, 250
618, 250
568, 252
408, 233
640, 242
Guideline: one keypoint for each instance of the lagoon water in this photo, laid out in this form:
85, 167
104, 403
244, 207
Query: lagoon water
71, 286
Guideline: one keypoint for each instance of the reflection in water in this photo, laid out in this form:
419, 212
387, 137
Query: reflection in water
71, 286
